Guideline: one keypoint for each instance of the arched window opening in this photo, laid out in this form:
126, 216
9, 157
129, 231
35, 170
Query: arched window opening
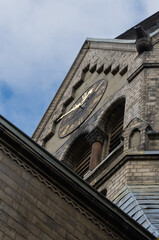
114, 120
82, 163
116, 127
78, 156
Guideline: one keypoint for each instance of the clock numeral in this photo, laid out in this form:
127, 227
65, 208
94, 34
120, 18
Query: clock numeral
97, 99
80, 121
103, 89
98, 86
64, 126
91, 107
64, 132
71, 128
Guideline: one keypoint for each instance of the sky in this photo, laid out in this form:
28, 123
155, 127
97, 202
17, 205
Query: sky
39, 40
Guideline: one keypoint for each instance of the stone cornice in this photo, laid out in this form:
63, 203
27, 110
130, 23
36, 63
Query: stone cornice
112, 44
110, 165
140, 68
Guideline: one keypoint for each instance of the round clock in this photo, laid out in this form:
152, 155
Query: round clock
82, 108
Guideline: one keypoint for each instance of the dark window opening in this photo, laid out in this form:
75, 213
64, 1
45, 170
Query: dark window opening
116, 129
78, 156
83, 161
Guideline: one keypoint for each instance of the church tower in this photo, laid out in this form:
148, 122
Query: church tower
103, 121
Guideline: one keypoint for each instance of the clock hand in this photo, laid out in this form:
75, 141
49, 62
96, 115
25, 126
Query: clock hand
90, 91
74, 108
84, 97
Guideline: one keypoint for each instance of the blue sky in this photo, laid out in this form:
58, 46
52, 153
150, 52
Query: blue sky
39, 41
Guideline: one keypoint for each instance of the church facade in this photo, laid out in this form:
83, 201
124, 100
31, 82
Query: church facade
91, 170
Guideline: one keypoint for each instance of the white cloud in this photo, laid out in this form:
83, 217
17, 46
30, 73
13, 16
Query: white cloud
40, 39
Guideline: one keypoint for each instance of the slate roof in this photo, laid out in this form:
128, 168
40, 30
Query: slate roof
141, 202
149, 24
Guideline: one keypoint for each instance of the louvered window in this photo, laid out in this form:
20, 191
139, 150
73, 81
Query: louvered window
115, 127
82, 165
115, 134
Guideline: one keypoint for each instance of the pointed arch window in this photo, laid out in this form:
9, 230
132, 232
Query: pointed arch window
87, 151
78, 156
114, 126
82, 163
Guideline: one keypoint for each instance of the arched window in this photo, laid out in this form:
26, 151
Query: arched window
86, 152
78, 156
81, 166
114, 126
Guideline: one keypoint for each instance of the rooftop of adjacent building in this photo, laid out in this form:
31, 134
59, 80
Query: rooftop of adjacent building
149, 24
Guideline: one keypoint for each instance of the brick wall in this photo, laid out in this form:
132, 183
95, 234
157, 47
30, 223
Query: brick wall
32, 208
152, 98
133, 172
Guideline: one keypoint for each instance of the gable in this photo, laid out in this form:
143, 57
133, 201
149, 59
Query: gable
106, 60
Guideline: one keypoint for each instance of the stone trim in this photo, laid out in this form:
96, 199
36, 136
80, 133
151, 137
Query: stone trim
140, 68
110, 166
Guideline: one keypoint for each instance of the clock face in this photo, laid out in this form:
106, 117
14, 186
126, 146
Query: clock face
82, 108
